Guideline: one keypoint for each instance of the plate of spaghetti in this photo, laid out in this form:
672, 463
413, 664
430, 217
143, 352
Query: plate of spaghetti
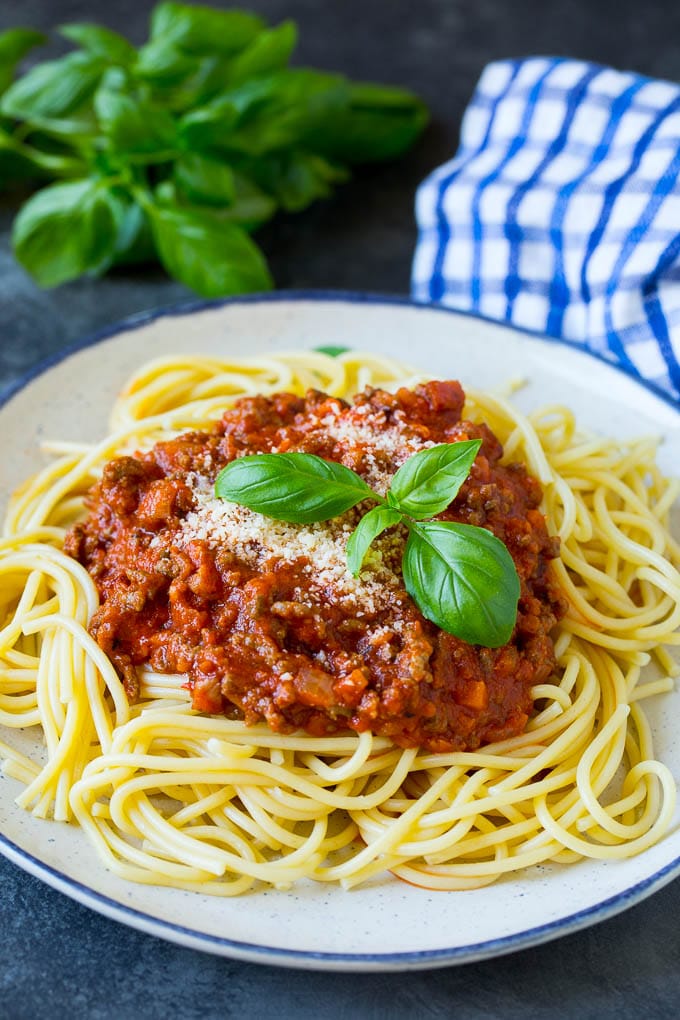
281, 680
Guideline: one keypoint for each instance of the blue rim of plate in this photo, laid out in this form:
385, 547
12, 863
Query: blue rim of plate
256, 952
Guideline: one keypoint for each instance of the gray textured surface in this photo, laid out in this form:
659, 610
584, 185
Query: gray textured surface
59, 958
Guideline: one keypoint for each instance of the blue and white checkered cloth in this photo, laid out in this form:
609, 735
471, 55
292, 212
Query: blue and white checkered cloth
560, 212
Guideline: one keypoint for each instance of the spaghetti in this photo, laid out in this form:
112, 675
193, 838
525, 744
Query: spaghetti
173, 797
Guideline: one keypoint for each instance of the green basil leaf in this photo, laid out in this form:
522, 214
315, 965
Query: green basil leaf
291, 105
15, 43
184, 83
295, 178
251, 206
331, 351
100, 42
53, 89
210, 256
66, 230
211, 126
464, 580
15, 167
134, 241
269, 51
163, 64
200, 29
166, 194
205, 180
132, 125
430, 479
261, 93
44, 157
295, 487
205, 129
264, 114
377, 123
369, 527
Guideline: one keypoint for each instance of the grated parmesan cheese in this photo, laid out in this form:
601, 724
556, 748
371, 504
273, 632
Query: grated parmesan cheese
258, 541
371, 448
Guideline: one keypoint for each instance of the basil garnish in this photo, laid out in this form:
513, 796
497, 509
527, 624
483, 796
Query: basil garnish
369, 527
430, 479
295, 487
332, 350
198, 136
461, 577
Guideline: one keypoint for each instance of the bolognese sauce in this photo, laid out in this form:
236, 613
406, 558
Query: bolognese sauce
265, 619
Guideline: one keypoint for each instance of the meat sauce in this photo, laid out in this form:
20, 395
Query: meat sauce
262, 636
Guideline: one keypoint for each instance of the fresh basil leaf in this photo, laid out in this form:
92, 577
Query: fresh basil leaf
199, 29
464, 580
134, 241
264, 114
16, 170
291, 104
67, 130
211, 104
53, 89
369, 527
251, 206
295, 178
186, 83
166, 194
15, 167
66, 230
331, 351
162, 63
15, 43
132, 125
211, 126
377, 123
100, 42
46, 156
210, 256
430, 479
261, 93
269, 51
295, 487
204, 180
206, 129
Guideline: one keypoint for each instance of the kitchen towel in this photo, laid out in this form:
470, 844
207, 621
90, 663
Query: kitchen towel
560, 213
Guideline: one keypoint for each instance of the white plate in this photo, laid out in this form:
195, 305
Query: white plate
388, 925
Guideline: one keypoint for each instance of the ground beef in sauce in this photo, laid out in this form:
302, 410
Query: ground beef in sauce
266, 631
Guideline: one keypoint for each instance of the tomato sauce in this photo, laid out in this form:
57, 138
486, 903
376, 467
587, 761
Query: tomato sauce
276, 639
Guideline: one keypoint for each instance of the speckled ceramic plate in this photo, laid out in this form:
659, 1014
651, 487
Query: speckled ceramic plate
387, 925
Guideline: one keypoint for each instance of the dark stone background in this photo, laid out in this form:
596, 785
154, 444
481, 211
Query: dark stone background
59, 958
